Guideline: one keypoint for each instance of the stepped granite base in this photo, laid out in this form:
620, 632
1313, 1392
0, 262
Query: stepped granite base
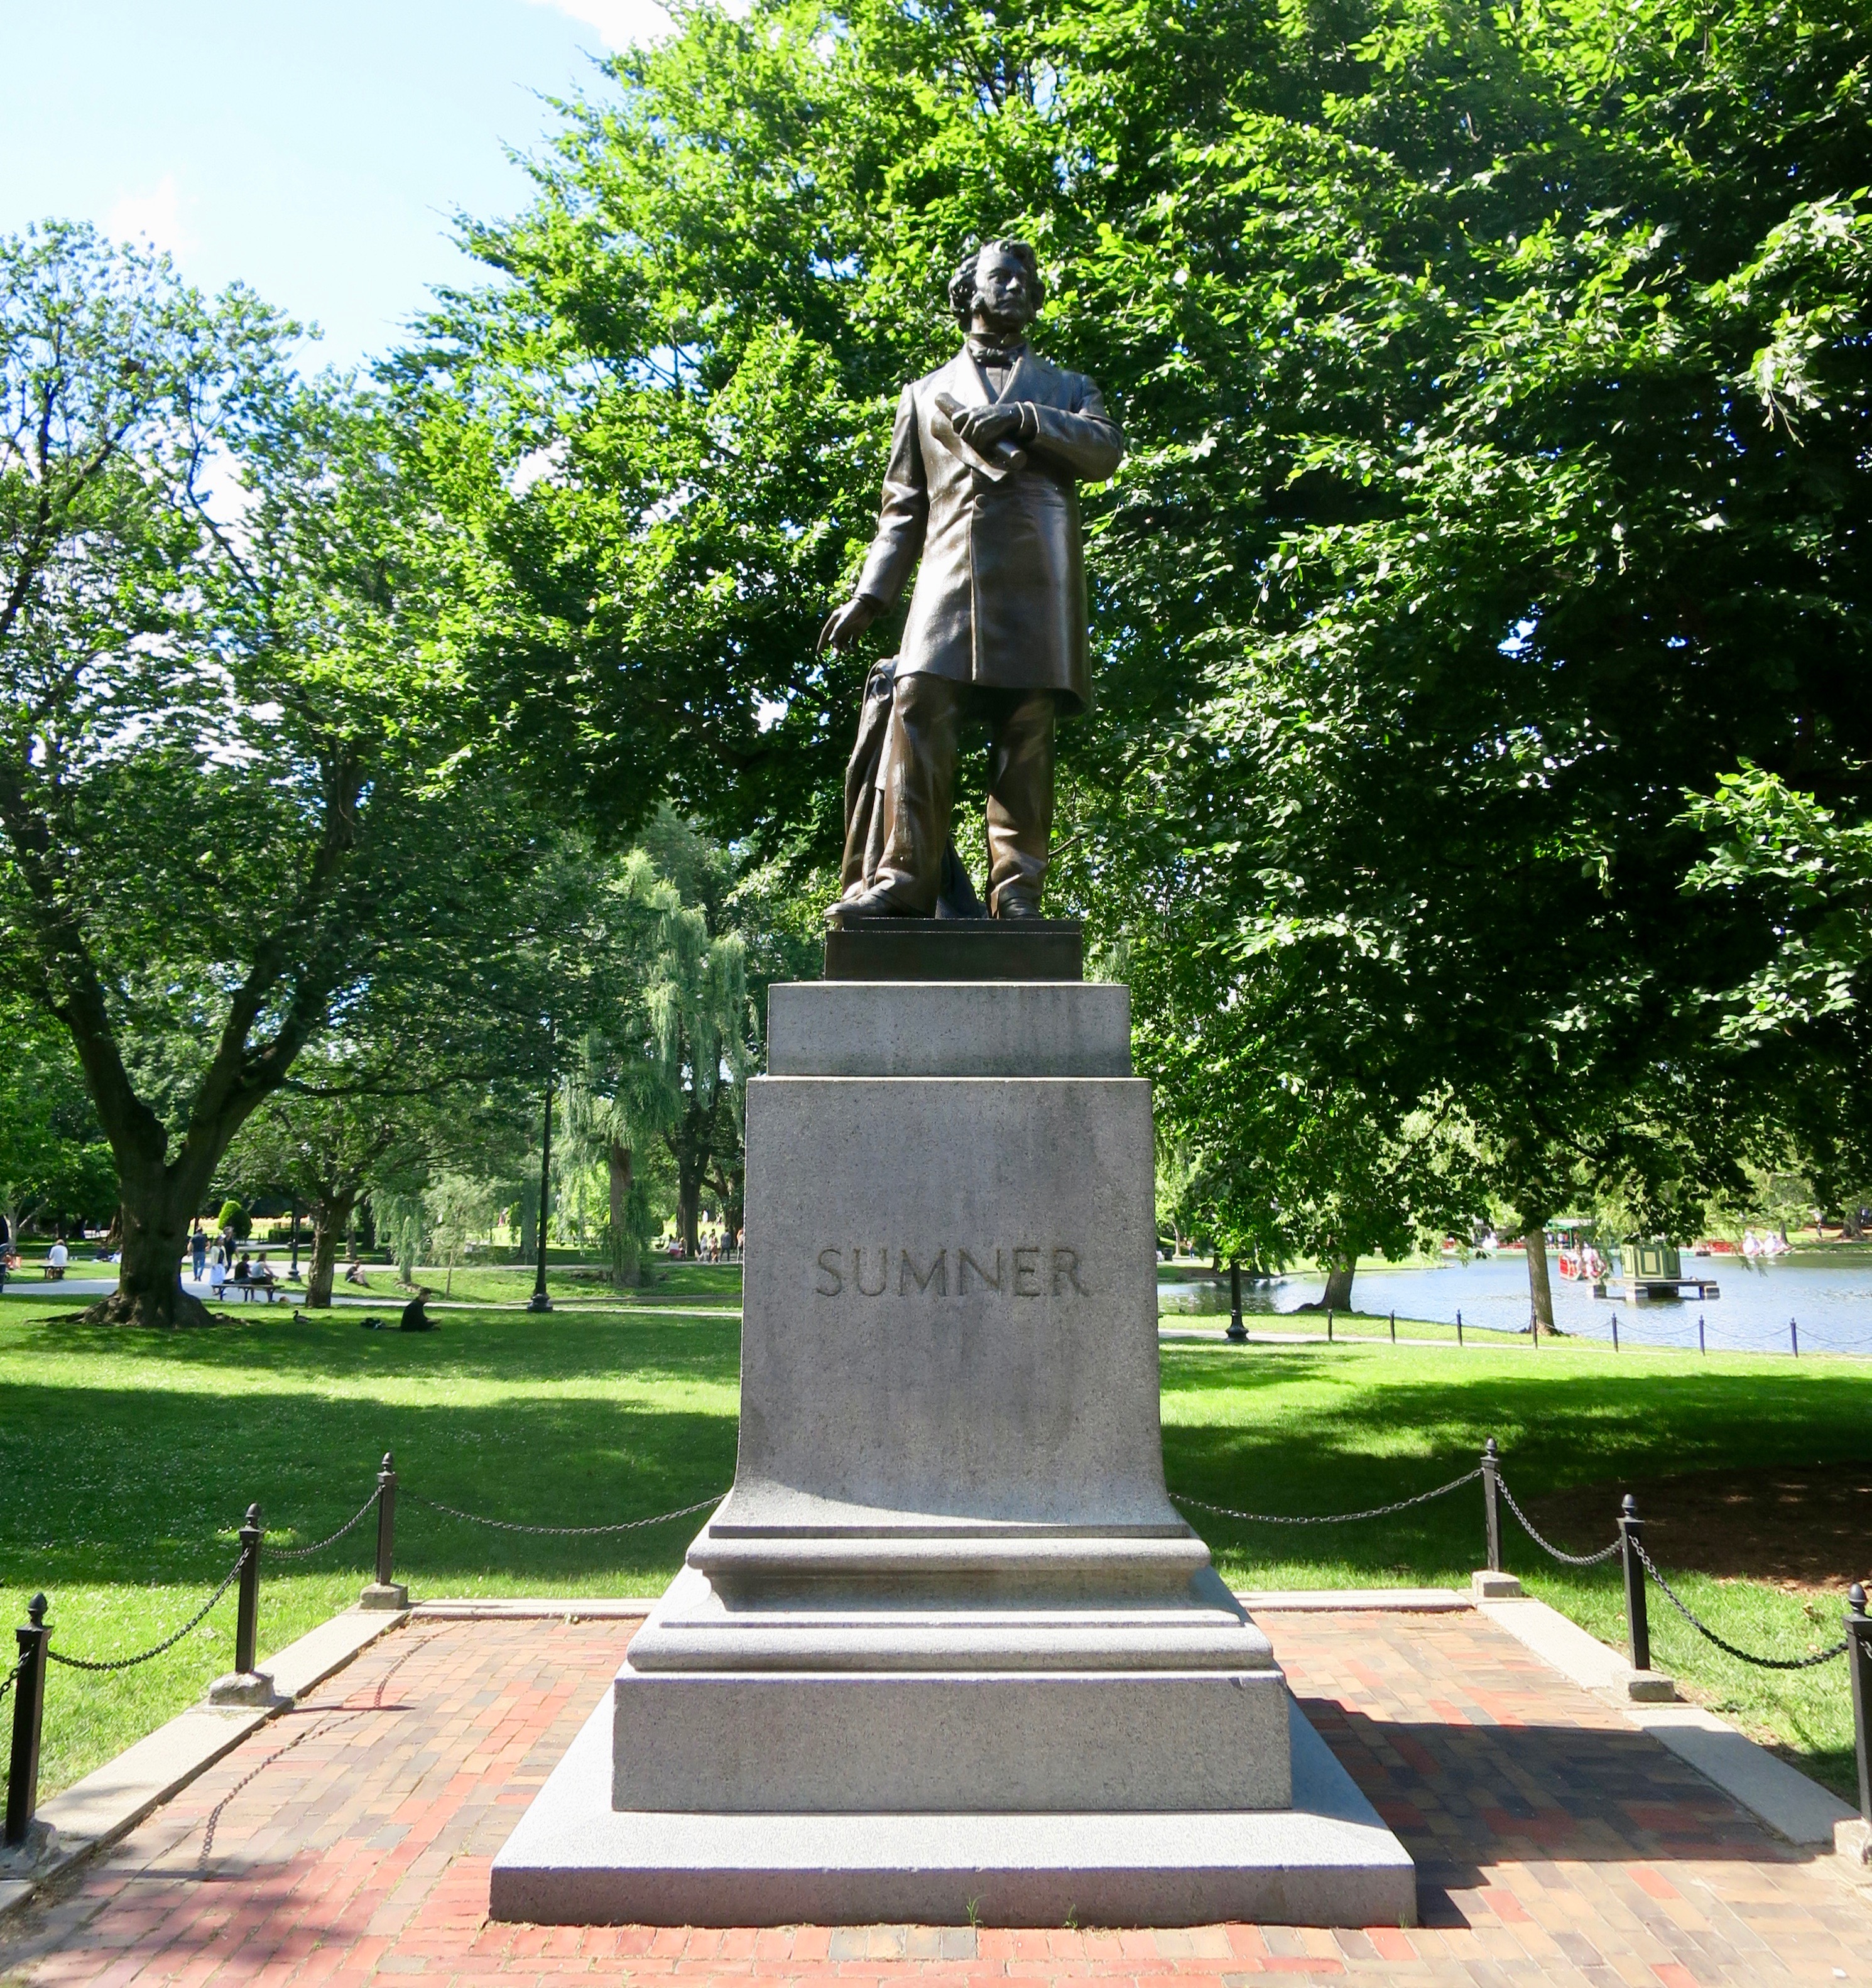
947, 1639
1325, 1861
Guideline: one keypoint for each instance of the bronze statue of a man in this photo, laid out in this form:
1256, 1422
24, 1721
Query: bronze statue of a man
981, 485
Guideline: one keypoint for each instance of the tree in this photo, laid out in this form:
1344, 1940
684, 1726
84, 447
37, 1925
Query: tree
325, 1150
666, 1059
597, 1132
1801, 1020
1289, 1166
224, 793
1496, 385
1507, 532
53, 1159
459, 1208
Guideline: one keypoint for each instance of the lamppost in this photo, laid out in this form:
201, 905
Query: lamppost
540, 1301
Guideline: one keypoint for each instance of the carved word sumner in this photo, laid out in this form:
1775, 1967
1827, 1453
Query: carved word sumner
1026, 1276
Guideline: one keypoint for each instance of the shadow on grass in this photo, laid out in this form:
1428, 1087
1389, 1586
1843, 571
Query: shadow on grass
127, 1485
509, 1348
1300, 1431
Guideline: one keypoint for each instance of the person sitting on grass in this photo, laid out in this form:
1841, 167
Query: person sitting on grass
56, 1258
354, 1272
414, 1318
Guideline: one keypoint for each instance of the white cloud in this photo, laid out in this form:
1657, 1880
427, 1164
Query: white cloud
155, 216
620, 23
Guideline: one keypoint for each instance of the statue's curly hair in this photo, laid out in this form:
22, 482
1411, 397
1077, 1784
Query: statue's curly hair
962, 283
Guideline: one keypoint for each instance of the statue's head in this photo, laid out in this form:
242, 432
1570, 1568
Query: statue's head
1001, 280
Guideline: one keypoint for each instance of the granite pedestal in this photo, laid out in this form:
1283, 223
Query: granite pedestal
947, 1640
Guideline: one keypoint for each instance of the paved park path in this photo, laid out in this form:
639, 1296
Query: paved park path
349, 1842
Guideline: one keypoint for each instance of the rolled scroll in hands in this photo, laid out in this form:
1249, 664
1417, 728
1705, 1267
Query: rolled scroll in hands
994, 462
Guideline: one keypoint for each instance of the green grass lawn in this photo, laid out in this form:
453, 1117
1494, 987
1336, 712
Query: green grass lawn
580, 1281
706, 1284
1309, 1428
129, 1459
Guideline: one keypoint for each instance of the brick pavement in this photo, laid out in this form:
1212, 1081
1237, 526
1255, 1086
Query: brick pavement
349, 1842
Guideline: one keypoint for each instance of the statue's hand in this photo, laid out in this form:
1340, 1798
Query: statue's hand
844, 625
982, 427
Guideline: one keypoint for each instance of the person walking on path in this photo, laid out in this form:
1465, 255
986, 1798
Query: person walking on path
197, 1251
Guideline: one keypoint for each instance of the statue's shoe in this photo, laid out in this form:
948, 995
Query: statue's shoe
1016, 905
878, 902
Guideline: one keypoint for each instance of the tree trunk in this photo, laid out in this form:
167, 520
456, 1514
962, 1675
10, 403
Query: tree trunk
623, 1243
1338, 1294
690, 1146
1534, 1239
331, 1214
155, 1214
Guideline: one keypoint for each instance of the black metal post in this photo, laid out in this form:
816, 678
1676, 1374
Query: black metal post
1236, 1329
1394, 1328
1701, 1348
1631, 1533
293, 1272
1329, 1325
1794, 1337
540, 1301
1859, 1661
1491, 1511
1534, 1325
247, 1624
1615, 1331
23, 1775
1459, 1325
386, 1522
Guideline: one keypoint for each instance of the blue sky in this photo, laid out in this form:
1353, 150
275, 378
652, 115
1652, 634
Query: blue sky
312, 148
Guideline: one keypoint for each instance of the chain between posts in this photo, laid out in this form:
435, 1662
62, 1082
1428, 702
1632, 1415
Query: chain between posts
562, 1532
305, 1552
1330, 1518
1546, 1546
167, 1643
1722, 1643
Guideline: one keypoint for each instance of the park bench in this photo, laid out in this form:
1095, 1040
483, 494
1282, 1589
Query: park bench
247, 1287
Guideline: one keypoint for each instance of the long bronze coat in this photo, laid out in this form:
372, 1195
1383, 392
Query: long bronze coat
1001, 597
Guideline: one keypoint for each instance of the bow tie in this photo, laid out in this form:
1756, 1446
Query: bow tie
986, 352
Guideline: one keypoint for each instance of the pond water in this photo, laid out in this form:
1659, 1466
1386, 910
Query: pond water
1829, 1297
